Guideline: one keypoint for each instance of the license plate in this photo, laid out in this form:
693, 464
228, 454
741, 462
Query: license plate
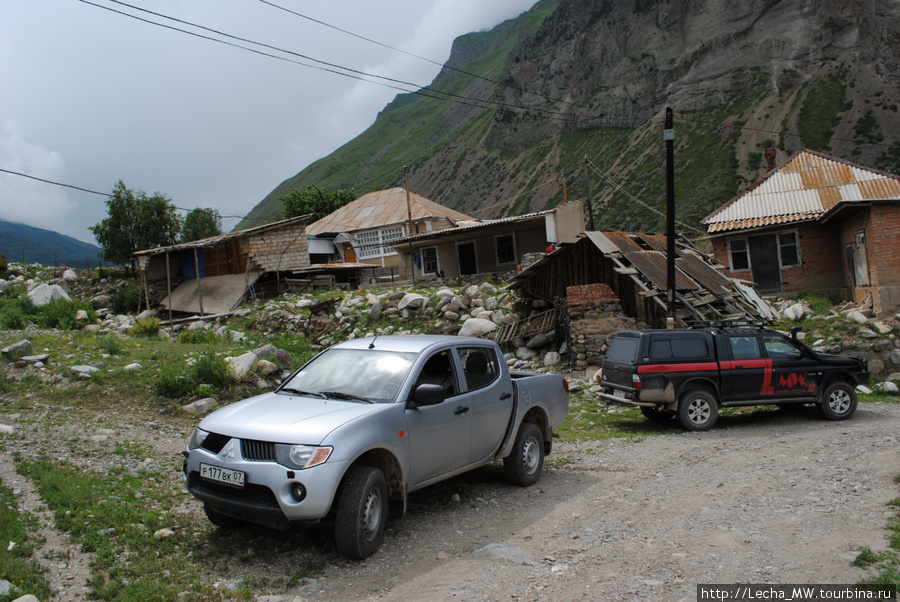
226, 476
620, 393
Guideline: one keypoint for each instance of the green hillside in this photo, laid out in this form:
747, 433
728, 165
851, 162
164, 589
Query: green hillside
571, 80
19, 242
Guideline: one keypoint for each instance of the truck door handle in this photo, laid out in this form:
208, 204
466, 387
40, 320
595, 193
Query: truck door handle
460, 410
505, 396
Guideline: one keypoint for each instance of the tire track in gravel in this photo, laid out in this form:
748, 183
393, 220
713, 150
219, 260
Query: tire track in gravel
784, 497
67, 568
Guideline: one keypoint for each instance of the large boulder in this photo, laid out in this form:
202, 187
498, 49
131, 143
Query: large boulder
42, 294
411, 301
17, 350
241, 365
70, 276
476, 327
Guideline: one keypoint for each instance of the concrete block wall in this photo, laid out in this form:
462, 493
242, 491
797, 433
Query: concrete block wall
595, 316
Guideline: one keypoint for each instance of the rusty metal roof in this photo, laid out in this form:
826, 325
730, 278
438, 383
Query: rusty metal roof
704, 273
466, 226
804, 188
381, 208
652, 264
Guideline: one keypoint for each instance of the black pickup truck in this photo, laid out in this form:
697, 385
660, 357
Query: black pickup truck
690, 374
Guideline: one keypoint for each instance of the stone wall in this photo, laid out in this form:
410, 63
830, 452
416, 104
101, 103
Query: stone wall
595, 316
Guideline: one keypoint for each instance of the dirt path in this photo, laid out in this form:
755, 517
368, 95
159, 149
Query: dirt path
784, 498
774, 497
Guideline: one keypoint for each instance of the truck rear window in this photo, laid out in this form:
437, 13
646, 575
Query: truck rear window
681, 348
623, 350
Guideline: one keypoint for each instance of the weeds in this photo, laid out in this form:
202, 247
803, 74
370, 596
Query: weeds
17, 563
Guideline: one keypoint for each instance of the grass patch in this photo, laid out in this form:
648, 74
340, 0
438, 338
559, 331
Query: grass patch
18, 565
114, 517
884, 566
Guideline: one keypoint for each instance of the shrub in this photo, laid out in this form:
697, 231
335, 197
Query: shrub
212, 370
197, 337
173, 382
12, 317
111, 345
127, 299
145, 327
58, 313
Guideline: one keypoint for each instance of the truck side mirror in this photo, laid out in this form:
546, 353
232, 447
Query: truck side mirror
429, 394
794, 332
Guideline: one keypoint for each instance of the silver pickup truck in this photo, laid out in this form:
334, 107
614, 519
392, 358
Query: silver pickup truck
364, 423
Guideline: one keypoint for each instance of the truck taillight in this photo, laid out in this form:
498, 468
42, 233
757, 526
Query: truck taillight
566, 386
635, 380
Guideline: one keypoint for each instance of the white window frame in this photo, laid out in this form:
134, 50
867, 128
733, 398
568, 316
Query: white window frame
781, 254
730, 255
377, 242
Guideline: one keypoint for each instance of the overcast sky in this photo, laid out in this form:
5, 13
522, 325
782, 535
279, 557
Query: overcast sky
89, 97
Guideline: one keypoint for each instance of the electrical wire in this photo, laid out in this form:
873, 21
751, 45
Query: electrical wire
325, 66
422, 58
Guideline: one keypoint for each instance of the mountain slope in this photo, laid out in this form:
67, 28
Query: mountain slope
587, 79
44, 246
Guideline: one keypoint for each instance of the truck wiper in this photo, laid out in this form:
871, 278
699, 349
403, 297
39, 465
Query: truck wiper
300, 392
342, 395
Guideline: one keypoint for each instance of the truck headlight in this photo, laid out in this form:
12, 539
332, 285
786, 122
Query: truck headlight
301, 456
197, 438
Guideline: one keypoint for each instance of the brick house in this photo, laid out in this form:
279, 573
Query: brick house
814, 223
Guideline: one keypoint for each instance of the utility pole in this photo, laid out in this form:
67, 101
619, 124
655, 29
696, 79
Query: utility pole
669, 137
587, 185
412, 263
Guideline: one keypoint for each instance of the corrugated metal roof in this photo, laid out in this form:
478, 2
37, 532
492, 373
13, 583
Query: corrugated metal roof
214, 240
652, 264
469, 225
803, 189
381, 208
704, 273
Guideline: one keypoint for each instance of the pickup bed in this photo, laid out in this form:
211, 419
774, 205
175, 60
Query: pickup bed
690, 374
364, 423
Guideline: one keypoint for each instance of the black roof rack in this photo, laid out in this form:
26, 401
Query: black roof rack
751, 324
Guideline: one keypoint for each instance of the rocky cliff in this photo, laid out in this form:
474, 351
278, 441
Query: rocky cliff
580, 85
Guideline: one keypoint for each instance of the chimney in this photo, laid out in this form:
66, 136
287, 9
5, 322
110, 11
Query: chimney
770, 159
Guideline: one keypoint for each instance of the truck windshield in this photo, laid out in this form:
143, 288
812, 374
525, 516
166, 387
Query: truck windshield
371, 375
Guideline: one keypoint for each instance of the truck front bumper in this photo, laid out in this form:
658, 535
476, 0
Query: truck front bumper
268, 496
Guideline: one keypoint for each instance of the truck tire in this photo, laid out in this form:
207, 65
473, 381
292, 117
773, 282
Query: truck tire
362, 510
838, 402
659, 416
221, 520
697, 411
524, 463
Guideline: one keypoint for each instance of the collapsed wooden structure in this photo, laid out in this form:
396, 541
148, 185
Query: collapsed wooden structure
634, 266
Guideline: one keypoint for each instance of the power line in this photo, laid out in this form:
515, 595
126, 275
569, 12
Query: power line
422, 58
107, 194
322, 65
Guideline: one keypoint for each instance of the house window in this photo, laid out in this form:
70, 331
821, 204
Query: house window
862, 260
376, 243
429, 260
506, 250
738, 254
789, 249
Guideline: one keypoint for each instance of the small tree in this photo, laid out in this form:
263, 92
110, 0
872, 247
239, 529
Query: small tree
201, 222
315, 200
135, 222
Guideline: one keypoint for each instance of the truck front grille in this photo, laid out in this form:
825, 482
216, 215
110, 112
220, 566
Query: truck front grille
257, 451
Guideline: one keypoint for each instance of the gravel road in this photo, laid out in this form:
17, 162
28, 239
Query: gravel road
770, 497
781, 497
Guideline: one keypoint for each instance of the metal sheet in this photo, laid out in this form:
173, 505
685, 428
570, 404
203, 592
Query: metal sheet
220, 293
705, 274
652, 265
